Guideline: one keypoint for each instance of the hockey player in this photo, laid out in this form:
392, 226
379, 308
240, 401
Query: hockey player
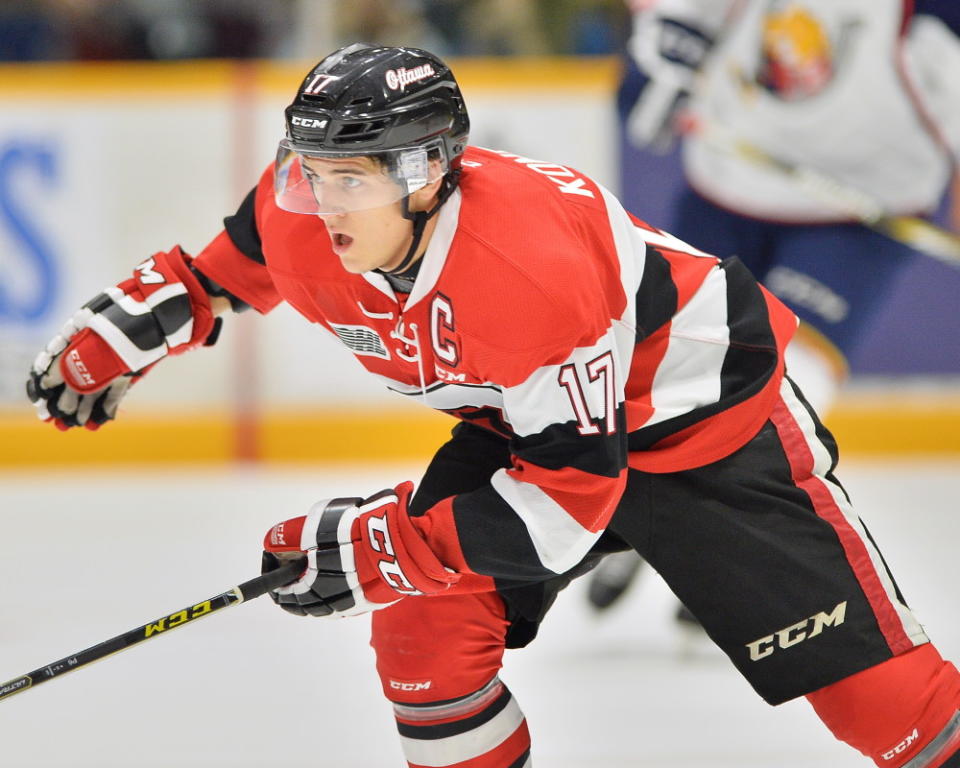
614, 387
864, 92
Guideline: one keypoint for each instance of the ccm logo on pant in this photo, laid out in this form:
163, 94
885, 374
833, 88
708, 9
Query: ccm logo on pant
902, 745
797, 633
420, 686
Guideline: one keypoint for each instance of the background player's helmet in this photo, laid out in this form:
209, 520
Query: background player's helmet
400, 106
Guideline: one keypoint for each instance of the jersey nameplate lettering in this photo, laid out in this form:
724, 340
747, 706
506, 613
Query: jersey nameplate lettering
361, 340
567, 181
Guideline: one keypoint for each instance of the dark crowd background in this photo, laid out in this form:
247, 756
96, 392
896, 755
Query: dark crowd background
59, 30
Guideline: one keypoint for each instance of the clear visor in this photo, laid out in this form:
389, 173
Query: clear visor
331, 183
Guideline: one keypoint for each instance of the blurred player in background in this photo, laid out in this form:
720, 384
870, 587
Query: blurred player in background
793, 116
616, 388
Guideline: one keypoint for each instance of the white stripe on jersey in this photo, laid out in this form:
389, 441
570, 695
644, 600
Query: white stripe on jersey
560, 541
447, 397
631, 248
542, 401
671, 242
821, 465
689, 374
453, 750
435, 256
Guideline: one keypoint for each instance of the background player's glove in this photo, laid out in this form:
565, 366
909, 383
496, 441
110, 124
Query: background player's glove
668, 51
362, 555
83, 372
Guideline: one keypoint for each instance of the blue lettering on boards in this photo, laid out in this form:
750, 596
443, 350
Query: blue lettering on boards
31, 245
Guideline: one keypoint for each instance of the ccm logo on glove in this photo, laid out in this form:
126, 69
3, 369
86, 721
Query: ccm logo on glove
81, 375
362, 555
379, 535
78, 376
276, 536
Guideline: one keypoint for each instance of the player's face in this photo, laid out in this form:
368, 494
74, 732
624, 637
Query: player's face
365, 232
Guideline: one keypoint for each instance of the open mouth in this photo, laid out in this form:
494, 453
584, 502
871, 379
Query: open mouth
341, 242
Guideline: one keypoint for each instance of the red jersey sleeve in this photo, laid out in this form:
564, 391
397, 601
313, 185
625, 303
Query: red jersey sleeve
235, 260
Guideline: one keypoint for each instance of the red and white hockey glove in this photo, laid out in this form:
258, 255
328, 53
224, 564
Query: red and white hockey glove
81, 375
362, 555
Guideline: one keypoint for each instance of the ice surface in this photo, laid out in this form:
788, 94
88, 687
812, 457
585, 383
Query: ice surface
90, 555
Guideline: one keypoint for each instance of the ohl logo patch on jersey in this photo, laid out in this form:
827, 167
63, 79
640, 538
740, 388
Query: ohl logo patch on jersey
361, 340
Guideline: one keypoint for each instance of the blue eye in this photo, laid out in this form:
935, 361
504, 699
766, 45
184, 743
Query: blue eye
350, 182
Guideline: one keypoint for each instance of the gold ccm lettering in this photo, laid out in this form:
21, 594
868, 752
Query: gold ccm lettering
178, 618
797, 633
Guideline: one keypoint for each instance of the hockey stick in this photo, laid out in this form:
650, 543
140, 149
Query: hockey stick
918, 233
239, 594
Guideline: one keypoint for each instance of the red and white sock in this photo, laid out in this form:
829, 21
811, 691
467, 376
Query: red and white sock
485, 729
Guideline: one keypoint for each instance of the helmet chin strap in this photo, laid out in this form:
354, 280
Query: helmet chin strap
420, 219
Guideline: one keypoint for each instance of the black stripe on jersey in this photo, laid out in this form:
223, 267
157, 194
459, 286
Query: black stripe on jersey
173, 313
561, 445
750, 360
142, 330
656, 296
493, 538
520, 761
455, 728
646, 437
752, 354
242, 229
487, 417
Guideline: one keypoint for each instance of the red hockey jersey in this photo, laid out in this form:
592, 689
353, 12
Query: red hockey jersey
545, 312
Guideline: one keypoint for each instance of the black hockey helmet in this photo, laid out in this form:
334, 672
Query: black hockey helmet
400, 106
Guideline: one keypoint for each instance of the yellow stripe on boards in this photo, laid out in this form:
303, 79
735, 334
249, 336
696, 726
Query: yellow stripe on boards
888, 425
327, 436
26, 441
876, 427
178, 79
353, 436
129, 81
